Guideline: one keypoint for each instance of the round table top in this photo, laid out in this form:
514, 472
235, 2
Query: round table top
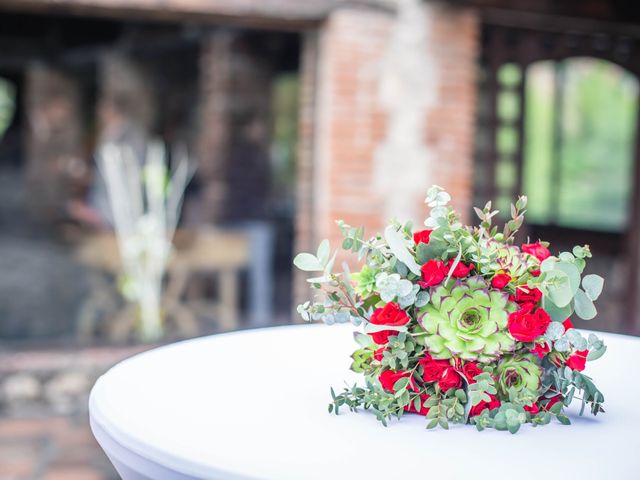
253, 405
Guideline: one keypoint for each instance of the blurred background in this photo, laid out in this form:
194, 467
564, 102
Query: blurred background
294, 114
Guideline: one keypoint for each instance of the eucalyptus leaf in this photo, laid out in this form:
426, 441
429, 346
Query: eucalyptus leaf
398, 247
323, 252
422, 298
308, 262
584, 306
548, 264
560, 291
562, 345
557, 314
566, 257
454, 264
554, 331
572, 274
372, 328
592, 285
596, 354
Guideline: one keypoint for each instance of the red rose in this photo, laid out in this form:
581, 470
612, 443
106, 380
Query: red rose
378, 354
551, 402
500, 280
432, 369
491, 404
527, 324
471, 370
391, 314
461, 269
578, 360
537, 250
535, 273
450, 379
440, 371
422, 236
423, 410
388, 379
541, 349
433, 272
525, 294
382, 338
532, 409
567, 324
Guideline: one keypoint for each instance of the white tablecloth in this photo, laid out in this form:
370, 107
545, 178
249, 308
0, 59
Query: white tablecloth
253, 405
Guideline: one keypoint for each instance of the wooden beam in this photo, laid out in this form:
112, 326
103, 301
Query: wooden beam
540, 22
286, 15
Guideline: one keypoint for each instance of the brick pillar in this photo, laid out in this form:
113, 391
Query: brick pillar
349, 121
394, 109
235, 91
450, 129
54, 140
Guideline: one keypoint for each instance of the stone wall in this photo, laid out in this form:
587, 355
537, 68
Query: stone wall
46, 381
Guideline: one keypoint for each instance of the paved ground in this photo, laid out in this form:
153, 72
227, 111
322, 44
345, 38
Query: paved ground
54, 448
44, 423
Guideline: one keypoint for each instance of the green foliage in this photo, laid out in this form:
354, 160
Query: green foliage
560, 284
567, 383
398, 245
400, 350
446, 408
480, 390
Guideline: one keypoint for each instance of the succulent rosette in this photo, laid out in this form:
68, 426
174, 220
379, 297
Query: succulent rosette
459, 323
467, 320
518, 373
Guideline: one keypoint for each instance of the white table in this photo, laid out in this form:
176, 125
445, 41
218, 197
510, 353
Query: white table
253, 405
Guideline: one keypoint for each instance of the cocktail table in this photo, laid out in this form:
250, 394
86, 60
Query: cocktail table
253, 405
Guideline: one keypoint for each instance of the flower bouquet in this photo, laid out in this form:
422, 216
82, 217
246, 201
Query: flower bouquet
460, 324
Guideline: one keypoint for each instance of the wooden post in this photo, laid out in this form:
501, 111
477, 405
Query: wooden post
633, 242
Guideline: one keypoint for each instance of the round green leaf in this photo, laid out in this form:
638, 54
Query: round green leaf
557, 314
592, 285
307, 262
323, 252
572, 273
399, 249
584, 306
548, 264
560, 291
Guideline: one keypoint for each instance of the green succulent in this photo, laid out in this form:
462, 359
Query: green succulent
518, 372
467, 320
365, 280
